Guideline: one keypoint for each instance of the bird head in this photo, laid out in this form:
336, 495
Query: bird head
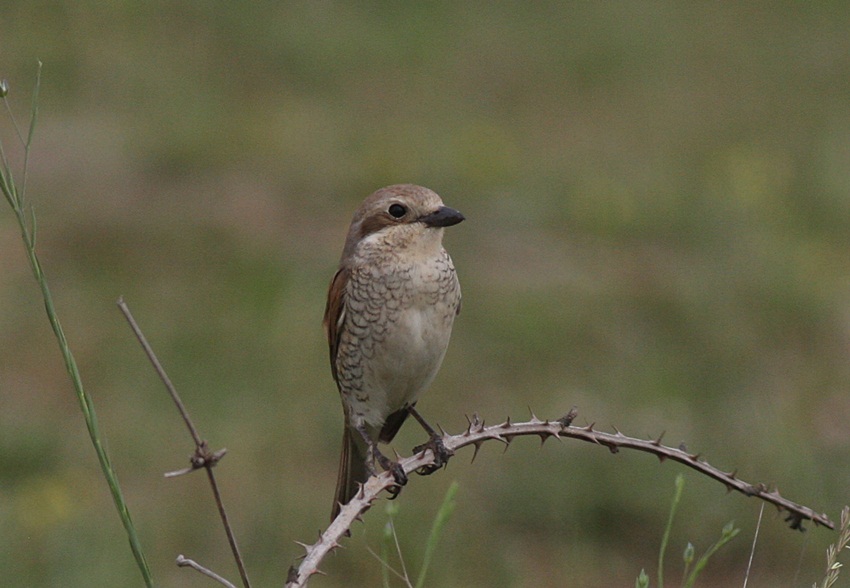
403, 216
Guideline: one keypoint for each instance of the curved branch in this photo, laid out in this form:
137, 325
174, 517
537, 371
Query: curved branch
477, 434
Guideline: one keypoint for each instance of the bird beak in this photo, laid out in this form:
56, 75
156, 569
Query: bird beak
442, 217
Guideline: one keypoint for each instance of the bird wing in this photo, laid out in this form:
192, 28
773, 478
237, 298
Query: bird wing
335, 314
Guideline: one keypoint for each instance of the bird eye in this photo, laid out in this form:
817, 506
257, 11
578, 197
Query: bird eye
397, 210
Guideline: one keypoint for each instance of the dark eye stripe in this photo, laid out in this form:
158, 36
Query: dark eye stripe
373, 224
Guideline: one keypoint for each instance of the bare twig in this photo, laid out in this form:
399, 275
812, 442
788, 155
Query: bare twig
185, 562
753, 548
160, 371
477, 434
202, 458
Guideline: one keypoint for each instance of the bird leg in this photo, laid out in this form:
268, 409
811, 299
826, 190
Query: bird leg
435, 444
386, 463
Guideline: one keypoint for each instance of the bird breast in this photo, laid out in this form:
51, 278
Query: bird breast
399, 320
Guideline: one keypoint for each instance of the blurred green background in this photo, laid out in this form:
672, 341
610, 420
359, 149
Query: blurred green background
658, 204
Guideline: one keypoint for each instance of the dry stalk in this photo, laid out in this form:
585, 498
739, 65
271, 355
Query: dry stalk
203, 457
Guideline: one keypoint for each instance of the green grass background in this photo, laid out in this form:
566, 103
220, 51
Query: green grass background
658, 204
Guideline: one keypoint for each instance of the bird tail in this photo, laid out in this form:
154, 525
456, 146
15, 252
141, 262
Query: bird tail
352, 469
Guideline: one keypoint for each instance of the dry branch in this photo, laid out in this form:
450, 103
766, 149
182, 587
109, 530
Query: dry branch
476, 434
203, 457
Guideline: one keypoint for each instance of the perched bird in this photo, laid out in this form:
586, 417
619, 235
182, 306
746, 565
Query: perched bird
388, 319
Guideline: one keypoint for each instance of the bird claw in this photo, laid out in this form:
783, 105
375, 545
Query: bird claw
394, 468
440, 451
400, 479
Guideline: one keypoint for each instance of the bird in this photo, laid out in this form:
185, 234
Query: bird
388, 320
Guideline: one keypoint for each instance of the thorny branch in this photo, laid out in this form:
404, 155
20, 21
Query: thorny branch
476, 434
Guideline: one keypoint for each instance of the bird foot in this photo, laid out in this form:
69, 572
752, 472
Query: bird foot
397, 472
386, 463
440, 451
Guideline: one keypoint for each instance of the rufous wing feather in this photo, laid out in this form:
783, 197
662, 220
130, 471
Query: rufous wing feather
335, 314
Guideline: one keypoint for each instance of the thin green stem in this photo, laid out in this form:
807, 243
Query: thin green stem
12, 115
30, 135
729, 532
443, 515
677, 496
16, 199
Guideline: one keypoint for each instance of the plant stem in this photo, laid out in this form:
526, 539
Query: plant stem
16, 199
677, 496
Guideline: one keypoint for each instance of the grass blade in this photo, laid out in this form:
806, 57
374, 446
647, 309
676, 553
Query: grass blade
677, 496
15, 198
443, 515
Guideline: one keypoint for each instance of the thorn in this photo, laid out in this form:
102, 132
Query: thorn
733, 474
613, 448
506, 424
682, 447
182, 472
499, 437
657, 442
694, 456
475, 453
543, 437
661, 458
589, 428
533, 416
318, 571
304, 545
616, 431
442, 430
